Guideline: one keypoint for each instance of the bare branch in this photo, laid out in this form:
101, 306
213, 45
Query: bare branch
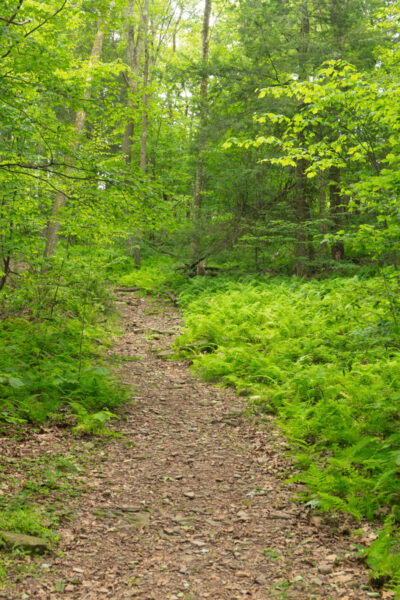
20, 3
11, 22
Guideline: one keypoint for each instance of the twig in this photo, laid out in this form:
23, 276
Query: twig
11, 22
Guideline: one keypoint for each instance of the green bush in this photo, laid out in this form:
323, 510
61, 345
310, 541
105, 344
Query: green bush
52, 334
154, 276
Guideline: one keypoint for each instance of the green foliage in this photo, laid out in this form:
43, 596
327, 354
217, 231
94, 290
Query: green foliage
29, 520
154, 276
92, 423
362, 145
271, 554
383, 555
32, 499
325, 357
51, 338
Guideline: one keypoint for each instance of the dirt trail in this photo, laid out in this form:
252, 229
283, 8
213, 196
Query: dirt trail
195, 508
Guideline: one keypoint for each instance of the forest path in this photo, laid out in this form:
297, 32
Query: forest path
195, 508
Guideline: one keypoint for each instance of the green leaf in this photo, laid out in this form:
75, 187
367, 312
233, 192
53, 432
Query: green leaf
15, 382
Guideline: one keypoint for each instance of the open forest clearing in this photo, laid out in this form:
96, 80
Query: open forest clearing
199, 299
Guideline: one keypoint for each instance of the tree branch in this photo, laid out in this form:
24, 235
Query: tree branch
28, 33
11, 22
17, 10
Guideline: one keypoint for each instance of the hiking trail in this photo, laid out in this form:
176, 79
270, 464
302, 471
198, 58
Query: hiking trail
191, 502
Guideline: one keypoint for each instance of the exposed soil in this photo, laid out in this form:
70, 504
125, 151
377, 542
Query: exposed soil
192, 502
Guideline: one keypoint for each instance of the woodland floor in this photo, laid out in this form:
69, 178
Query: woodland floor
191, 503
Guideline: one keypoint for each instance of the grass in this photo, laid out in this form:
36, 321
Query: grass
33, 494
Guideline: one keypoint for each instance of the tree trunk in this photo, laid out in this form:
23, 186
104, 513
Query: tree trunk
301, 215
136, 252
200, 170
301, 199
53, 226
337, 211
145, 99
134, 54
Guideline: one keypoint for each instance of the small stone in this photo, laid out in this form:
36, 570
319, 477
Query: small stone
78, 570
243, 516
260, 580
345, 578
198, 543
331, 557
325, 569
189, 495
69, 588
316, 521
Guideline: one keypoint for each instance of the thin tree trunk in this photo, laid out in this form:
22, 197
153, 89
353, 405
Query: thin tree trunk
301, 215
53, 226
323, 209
200, 170
337, 211
134, 54
135, 240
301, 199
145, 100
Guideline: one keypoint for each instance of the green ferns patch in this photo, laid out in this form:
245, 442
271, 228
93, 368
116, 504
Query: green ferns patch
325, 357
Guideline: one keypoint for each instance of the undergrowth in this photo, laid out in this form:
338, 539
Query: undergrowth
155, 276
56, 322
325, 357
33, 492
53, 332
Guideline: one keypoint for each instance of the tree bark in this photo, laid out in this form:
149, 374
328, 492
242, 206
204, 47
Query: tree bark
53, 226
200, 170
301, 199
145, 99
301, 215
134, 54
337, 210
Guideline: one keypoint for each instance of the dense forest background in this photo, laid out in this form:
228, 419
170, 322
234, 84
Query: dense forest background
241, 157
